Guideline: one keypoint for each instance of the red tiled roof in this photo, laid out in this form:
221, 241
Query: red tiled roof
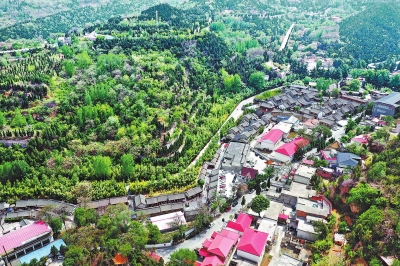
283, 216
212, 261
309, 162
203, 252
289, 149
230, 234
274, 135
197, 263
249, 172
119, 259
154, 256
243, 221
221, 246
207, 243
253, 242
214, 234
21, 236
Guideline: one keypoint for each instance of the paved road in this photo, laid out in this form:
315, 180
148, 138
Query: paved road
198, 240
235, 115
286, 39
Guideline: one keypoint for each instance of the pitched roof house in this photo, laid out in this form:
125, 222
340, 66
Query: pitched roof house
252, 245
242, 222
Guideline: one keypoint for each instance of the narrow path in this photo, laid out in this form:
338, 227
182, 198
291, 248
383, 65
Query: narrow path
287, 36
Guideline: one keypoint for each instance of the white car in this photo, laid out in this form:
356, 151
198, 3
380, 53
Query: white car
211, 225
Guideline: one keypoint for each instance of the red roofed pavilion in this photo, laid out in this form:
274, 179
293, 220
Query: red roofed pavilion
119, 259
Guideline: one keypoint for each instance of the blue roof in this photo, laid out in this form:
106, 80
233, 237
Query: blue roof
347, 159
42, 252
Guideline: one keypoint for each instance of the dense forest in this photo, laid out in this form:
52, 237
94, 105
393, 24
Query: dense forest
71, 21
134, 109
373, 34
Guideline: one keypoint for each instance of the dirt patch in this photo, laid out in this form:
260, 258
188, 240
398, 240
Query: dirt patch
266, 260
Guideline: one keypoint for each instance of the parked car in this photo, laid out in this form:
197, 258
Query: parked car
234, 203
60, 257
211, 225
251, 191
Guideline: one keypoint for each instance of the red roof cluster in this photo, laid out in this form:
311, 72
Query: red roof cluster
253, 242
289, 149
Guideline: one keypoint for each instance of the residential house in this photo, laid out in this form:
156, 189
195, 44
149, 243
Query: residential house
327, 122
329, 155
326, 173
249, 117
286, 152
193, 193
305, 230
304, 173
248, 172
169, 221
276, 112
235, 156
242, 222
268, 141
361, 139
311, 123
267, 118
140, 201
346, 159
252, 245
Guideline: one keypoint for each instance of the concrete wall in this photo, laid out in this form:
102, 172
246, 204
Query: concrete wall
306, 235
301, 179
248, 256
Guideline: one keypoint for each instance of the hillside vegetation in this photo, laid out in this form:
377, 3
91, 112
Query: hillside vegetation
373, 34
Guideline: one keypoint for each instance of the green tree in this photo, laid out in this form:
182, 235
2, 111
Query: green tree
18, 119
56, 225
183, 257
80, 217
257, 80
323, 85
154, 233
127, 165
354, 85
321, 228
259, 204
243, 201
335, 92
69, 68
53, 251
74, 256
83, 60
395, 82
102, 166
3, 119
363, 196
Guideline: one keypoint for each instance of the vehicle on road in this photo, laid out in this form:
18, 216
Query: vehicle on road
251, 191
211, 225
234, 203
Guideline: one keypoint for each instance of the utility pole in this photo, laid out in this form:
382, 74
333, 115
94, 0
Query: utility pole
157, 17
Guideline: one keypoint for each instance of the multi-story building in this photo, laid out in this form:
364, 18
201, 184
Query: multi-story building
387, 105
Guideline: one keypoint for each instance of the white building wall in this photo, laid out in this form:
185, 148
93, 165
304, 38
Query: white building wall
306, 235
248, 256
282, 158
